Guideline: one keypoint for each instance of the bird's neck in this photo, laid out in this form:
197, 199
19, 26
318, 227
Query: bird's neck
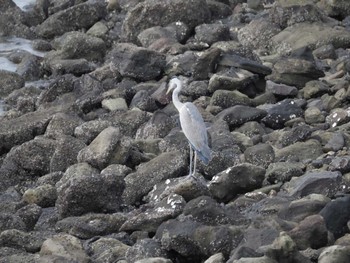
177, 103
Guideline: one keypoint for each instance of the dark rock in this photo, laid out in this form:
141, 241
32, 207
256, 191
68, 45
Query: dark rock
226, 99
324, 52
31, 242
320, 182
296, 134
340, 163
77, 17
151, 13
30, 68
339, 9
219, 9
205, 64
298, 210
76, 67
282, 112
47, 219
234, 180
181, 64
164, 166
311, 232
30, 215
44, 195
239, 114
11, 221
82, 189
281, 90
336, 215
10, 81
145, 248
148, 220
260, 155
143, 101
91, 225
136, 62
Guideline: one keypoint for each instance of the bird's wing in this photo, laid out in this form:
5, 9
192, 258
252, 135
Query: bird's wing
193, 126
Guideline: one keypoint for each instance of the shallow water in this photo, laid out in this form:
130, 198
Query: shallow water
25, 5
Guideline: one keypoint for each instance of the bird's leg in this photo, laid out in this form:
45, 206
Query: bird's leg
195, 162
191, 157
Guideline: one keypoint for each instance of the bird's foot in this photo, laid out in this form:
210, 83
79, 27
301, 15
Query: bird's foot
191, 176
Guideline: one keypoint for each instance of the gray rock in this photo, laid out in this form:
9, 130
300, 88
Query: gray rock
129, 122
216, 258
151, 13
340, 163
136, 62
299, 151
143, 101
339, 209
258, 33
91, 225
105, 149
181, 64
233, 79
77, 67
77, 17
11, 221
87, 131
283, 171
154, 260
47, 220
44, 195
314, 88
313, 115
299, 209
205, 63
281, 90
188, 188
10, 81
29, 241
234, 180
107, 250
320, 182
149, 219
30, 215
260, 155
312, 35
63, 247
226, 99
21, 256
30, 68
219, 9
311, 232
62, 124
340, 8
296, 134
211, 33
335, 254
239, 114
324, 52
145, 248
337, 117
82, 189
162, 167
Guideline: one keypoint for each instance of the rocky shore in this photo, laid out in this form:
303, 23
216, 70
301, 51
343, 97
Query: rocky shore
93, 163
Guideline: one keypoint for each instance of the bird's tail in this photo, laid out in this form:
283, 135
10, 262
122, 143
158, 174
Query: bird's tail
205, 154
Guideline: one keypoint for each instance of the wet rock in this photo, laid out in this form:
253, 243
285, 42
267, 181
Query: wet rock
260, 155
30, 242
105, 149
320, 182
77, 17
238, 179
308, 150
299, 209
311, 232
63, 247
283, 171
91, 225
164, 166
145, 248
82, 189
136, 62
239, 114
10, 81
151, 218
107, 250
44, 195
335, 254
148, 14
30, 215
338, 209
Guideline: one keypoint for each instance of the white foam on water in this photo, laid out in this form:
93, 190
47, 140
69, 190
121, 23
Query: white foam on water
25, 5
5, 64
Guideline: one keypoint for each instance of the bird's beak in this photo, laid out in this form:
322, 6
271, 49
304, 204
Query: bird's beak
170, 89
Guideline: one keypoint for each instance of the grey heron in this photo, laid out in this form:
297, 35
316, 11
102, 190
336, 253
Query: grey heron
192, 125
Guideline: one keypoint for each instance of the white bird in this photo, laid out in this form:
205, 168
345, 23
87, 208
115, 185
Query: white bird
192, 125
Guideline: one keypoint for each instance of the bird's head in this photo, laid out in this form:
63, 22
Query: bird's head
173, 84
